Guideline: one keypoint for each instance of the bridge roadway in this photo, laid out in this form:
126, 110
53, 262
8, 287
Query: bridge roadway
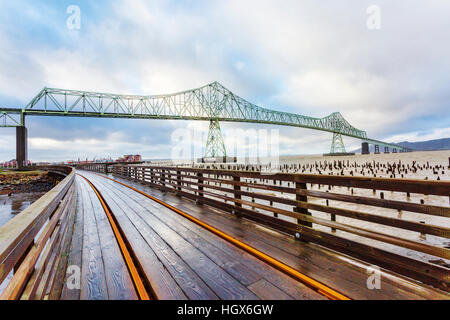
179, 259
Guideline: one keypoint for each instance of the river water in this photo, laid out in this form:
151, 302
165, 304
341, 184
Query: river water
10, 206
16, 203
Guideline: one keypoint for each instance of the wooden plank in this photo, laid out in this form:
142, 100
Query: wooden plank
54, 289
20, 278
160, 280
38, 292
35, 291
93, 281
118, 279
18, 233
190, 283
237, 262
267, 291
425, 272
393, 222
398, 223
439, 231
201, 216
440, 188
329, 270
76, 246
410, 244
391, 204
239, 271
324, 265
409, 287
224, 285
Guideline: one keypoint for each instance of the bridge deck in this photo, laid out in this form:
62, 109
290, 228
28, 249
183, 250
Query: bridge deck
181, 260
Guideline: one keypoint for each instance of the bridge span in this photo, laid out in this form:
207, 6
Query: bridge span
182, 233
212, 102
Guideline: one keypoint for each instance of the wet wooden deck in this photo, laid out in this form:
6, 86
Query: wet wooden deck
181, 260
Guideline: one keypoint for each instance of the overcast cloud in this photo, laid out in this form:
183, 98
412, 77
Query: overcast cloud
307, 57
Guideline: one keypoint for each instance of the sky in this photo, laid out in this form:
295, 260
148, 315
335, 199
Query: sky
307, 57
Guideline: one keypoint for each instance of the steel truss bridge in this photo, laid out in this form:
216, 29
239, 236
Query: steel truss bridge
212, 102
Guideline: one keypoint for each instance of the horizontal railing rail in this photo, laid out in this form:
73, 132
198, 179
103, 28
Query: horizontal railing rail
29, 241
286, 202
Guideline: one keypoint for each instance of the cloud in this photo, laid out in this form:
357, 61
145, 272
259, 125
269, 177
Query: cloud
300, 57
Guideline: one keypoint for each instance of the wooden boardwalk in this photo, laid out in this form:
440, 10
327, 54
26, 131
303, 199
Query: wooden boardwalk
151, 235
181, 260
94, 248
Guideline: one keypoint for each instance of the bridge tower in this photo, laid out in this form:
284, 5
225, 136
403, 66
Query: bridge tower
21, 146
337, 145
215, 145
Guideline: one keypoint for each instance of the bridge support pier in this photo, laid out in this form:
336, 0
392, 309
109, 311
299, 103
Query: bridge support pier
365, 148
386, 149
21, 146
377, 149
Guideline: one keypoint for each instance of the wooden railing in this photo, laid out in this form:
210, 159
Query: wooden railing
104, 167
236, 192
33, 242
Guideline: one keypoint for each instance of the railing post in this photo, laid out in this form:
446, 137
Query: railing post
144, 175
200, 188
24, 254
178, 181
237, 187
298, 197
152, 177
163, 180
169, 178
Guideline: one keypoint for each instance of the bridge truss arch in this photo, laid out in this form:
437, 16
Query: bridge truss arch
212, 102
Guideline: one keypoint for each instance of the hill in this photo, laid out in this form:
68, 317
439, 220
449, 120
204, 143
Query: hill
429, 145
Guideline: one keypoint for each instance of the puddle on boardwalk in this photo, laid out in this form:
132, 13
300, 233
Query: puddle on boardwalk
11, 206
